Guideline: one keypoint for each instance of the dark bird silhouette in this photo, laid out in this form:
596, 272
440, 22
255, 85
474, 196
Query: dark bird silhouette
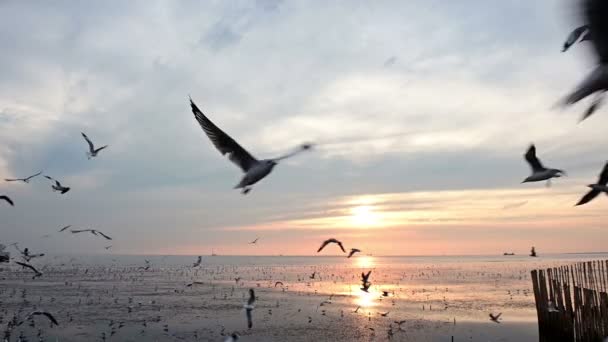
254, 169
57, 186
328, 241
44, 313
198, 261
365, 287
539, 172
254, 241
597, 188
365, 276
92, 231
8, 200
312, 276
575, 35
108, 247
277, 283
594, 13
353, 251
92, 150
495, 318
37, 273
25, 180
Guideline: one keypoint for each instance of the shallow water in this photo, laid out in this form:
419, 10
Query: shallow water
114, 298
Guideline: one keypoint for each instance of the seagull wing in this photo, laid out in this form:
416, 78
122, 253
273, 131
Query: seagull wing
530, 156
36, 175
574, 36
604, 175
6, 198
50, 317
323, 245
12, 179
101, 148
28, 266
76, 231
352, 251
223, 142
64, 228
588, 197
91, 146
341, 247
49, 178
104, 235
596, 12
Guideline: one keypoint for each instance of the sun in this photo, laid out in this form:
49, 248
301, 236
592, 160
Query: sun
364, 216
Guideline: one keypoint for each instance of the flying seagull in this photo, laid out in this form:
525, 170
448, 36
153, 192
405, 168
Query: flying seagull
353, 251
25, 180
64, 228
108, 247
7, 199
277, 283
92, 231
575, 35
495, 318
38, 273
332, 240
254, 169
595, 13
249, 307
254, 241
539, 172
43, 313
57, 186
198, 261
92, 150
597, 188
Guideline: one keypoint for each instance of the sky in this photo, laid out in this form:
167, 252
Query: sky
421, 111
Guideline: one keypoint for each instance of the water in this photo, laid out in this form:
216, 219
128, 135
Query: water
114, 297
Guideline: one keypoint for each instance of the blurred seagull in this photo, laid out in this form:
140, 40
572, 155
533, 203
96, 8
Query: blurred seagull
539, 172
277, 283
254, 169
495, 318
575, 35
353, 251
249, 307
198, 261
92, 150
595, 13
43, 313
92, 231
64, 228
108, 247
7, 199
254, 241
597, 188
365, 276
328, 241
57, 186
25, 180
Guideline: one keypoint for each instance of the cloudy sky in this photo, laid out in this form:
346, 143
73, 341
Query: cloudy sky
422, 111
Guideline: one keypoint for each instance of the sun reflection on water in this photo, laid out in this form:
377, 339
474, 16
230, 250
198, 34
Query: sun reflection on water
365, 261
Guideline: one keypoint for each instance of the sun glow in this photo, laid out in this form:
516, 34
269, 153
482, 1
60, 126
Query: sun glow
366, 299
365, 261
364, 216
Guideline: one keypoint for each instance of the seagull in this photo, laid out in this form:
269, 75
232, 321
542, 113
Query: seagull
44, 313
277, 283
357, 309
539, 172
25, 180
597, 188
198, 261
93, 231
575, 35
384, 314
353, 251
365, 276
365, 287
92, 150
7, 199
108, 247
57, 186
328, 241
254, 241
595, 12
312, 276
254, 169
195, 283
249, 307
38, 273
495, 318
64, 228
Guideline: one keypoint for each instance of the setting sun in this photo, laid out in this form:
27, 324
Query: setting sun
364, 215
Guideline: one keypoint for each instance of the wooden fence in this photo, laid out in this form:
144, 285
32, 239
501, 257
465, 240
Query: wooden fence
572, 302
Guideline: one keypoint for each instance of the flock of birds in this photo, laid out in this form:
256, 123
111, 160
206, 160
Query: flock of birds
594, 30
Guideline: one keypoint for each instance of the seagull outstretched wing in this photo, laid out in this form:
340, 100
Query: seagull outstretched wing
223, 142
596, 12
91, 146
8, 200
535, 164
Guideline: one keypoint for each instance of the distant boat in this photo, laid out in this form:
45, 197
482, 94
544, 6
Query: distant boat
506, 253
213, 253
533, 252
